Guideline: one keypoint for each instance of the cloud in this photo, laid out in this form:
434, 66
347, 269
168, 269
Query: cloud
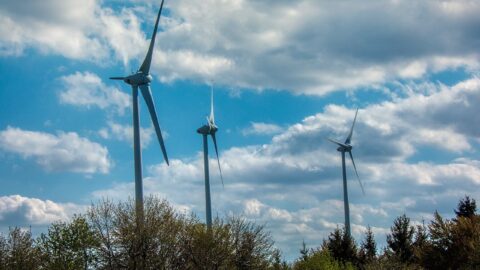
16, 210
318, 47
86, 31
87, 89
293, 184
60, 27
305, 47
61, 152
125, 133
261, 129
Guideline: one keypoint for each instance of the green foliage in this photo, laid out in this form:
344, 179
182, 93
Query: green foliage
17, 250
421, 242
341, 246
368, 249
443, 244
321, 260
3, 252
277, 263
467, 207
385, 262
253, 246
400, 239
205, 248
304, 251
68, 245
172, 241
108, 237
453, 244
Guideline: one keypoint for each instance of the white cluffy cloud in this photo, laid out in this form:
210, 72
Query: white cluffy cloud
16, 210
261, 129
87, 89
308, 47
125, 133
315, 47
61, 152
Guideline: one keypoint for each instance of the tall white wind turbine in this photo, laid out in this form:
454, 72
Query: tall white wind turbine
209, 129
141, 79
343, 148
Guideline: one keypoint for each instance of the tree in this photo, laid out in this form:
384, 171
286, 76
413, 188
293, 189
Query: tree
421, 242
20, 250
3, 252
169, 240
368, 250
122, 245
341, 246
400, 240
467, 207
253, 245
278, 263
163, 227
453, 244
304, 251
68, 245
204, 248
101, 218
321, 259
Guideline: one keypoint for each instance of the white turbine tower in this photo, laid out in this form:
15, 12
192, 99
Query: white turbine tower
209, 129
141, 79
343, 148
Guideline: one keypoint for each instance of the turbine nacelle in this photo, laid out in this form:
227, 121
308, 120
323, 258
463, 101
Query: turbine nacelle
207, 129
138, 79
346, 148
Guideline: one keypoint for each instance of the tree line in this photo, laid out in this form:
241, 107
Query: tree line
106, 237
442, 244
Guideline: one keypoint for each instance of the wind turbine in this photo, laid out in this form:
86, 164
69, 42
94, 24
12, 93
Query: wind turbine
342, 148
209, 129
141, 79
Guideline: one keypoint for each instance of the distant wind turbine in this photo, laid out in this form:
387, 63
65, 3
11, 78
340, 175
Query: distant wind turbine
209, 129
347, 147
141, 79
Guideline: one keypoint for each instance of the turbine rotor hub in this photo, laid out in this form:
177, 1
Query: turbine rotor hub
138, 78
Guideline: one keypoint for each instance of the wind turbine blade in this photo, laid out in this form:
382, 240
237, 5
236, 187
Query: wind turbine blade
218, 159
117, 78
145, 67
349, 138
337, 142
147, 95
358, 178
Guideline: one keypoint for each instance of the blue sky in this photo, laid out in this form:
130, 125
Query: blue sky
286, 76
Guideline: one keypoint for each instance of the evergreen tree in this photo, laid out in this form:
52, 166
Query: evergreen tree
304, 251
467, 207
341, 246
452, 244
421, 241
369, 246
278, 263
400, 240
